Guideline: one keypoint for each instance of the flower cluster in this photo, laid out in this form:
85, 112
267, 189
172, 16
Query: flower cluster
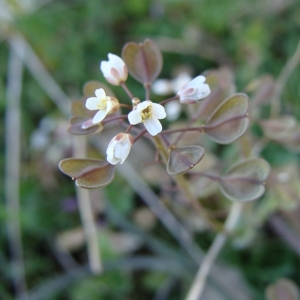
147, 112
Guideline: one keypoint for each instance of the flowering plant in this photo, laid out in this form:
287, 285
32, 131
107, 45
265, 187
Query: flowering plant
214, 110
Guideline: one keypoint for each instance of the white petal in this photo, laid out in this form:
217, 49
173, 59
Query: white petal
141, 106
110, 148
203, 91
100, 93
134, 117
92, 103
153, 126
99, 116
197, 80
112, 160
180, 81
158, 111
109, 106
104, 67
121, 151
116, 61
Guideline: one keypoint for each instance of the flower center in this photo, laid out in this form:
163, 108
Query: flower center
146, 113
102, 104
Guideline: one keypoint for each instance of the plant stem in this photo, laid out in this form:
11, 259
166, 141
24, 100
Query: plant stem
124, 86
12, 168
198, 285
169, 100
86, 214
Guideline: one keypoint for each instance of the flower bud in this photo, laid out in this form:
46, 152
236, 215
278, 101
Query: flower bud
194, 90
119, 148
114, 70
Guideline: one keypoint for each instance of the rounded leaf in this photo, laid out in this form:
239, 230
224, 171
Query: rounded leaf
144, 60
83, 125
182, 159
283, 289
88, 173
229, 120
245, 181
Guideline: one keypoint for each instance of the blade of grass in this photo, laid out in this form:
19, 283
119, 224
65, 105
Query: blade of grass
12, 167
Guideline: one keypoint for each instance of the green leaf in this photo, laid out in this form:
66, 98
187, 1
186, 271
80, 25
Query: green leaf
144, 61
88, 173
183, 159
244, 181
283, 289
229, 120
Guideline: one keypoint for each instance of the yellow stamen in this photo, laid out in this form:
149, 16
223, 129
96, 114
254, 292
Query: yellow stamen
102, 104
146, 113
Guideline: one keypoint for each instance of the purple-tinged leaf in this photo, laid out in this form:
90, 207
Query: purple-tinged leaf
182, 159
144, 61
88, 173
229, 121
245, 181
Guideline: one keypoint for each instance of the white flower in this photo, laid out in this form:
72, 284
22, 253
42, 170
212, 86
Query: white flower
105, 104
148, 113
119, 148
194, 90
114, 70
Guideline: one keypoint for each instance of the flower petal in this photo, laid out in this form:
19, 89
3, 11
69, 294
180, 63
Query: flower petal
153, 126
112, 160
99, 116
92, 103
203, 91
134, 117
109, 105
100, 93
158, 111
141, 106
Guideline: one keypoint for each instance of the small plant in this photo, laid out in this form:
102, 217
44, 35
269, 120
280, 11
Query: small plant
208, 112
222, 120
